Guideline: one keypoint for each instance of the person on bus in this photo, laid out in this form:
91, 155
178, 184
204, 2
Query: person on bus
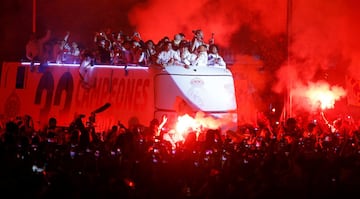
61, 49
86, 68
202, 57
150, 52
35, 49
176, 42
168, 56
197, 40
214, 59
187, 57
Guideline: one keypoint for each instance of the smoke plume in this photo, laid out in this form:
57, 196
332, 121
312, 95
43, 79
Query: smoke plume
157, 18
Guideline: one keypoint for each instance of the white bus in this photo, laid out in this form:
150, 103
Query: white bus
136, 94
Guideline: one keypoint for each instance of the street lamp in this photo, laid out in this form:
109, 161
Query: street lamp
34, 16
288, 93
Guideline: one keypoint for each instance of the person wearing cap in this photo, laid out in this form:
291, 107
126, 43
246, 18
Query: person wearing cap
197, 40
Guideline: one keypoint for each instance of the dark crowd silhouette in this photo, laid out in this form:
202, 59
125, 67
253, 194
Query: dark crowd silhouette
290, 159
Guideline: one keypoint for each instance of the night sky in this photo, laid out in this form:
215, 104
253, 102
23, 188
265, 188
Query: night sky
323, 35
81, 17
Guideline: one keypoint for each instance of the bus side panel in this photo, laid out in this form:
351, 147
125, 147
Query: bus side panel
59, 92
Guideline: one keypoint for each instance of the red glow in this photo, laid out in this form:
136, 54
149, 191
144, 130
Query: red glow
323, 38
318, 95
186, 124
223, 19
130, 183
325, 97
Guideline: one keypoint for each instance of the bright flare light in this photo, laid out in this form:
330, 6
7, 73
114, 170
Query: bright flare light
186, 123
321, 95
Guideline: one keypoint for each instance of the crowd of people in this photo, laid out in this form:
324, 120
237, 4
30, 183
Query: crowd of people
123, 49
293, 159
117, 48
47, 49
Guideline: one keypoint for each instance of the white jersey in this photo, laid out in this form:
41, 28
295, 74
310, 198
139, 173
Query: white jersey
187, 57
215, 60
165, 57
201, 59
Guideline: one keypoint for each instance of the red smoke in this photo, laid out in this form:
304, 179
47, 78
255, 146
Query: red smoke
324, 42
323, 37
155, 19
324, 46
